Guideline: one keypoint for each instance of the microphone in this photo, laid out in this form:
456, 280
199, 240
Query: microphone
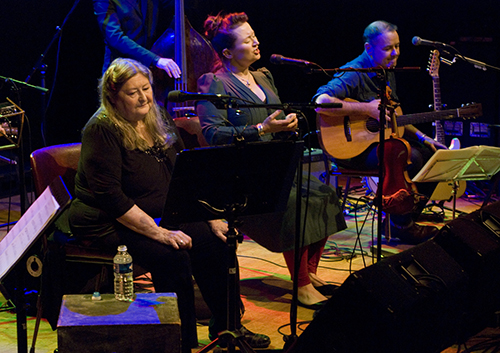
430, 43
310, 105
181, 96
280, 59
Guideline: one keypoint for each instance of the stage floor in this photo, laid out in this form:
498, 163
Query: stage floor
266, 287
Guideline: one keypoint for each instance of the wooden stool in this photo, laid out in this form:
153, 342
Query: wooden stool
151, 323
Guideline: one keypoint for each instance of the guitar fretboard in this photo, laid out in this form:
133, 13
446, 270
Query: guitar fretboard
437, 107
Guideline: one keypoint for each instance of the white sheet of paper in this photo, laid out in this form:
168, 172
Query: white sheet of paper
17, 242
451, 165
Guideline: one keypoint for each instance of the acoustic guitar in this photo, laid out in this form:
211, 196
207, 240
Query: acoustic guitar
348, 137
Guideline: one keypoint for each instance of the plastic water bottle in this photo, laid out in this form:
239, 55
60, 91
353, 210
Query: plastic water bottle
124, 275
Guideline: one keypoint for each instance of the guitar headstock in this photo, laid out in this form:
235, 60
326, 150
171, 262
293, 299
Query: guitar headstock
470, 111
433, 65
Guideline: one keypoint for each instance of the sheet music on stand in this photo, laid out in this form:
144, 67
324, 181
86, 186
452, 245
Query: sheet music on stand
32, 224
14, 246
471, 163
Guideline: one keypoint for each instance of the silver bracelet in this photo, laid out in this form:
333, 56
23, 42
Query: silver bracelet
260, 129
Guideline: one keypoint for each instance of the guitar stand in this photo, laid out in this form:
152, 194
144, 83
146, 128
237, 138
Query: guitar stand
443, 208
429, 214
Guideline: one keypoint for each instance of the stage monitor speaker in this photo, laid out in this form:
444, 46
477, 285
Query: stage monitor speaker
473, 240
409, 302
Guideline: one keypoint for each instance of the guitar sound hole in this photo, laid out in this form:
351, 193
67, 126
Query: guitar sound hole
372, 125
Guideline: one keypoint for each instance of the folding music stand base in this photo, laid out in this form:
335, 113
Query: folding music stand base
471, 163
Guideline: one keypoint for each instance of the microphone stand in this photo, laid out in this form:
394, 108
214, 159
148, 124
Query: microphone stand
381, 157
229, 102
476, 63
367, 69
39, 65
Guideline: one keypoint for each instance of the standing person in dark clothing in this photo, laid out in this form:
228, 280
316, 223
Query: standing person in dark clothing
129, 29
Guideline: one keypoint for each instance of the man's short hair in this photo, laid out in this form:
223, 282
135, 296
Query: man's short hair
376, 28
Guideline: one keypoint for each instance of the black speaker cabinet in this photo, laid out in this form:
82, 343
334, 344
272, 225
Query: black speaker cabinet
473, 240
409, 302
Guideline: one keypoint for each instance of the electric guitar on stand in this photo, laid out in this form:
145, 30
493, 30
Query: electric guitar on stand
444, 191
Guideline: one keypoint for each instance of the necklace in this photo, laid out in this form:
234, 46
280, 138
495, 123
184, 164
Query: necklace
244, 80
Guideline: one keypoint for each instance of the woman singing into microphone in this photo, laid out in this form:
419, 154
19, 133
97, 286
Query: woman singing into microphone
237, 46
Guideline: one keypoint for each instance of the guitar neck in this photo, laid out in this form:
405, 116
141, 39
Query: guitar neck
437, 93
419, 118
437, 107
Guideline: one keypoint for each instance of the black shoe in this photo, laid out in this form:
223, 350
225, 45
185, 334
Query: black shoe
314, 306
414, 234
327, 289
255, 340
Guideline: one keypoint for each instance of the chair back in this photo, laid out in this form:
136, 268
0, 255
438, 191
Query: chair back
48, 163
190, 131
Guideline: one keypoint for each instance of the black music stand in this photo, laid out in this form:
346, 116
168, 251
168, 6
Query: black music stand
238, 183
471, 163
14, 246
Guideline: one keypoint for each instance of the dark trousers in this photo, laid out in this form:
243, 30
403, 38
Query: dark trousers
171, 271
209, 256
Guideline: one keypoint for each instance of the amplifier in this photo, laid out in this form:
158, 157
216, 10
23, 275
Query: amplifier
11, 125
7, 109
320, 164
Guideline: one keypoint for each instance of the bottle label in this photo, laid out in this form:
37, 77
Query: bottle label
123, 268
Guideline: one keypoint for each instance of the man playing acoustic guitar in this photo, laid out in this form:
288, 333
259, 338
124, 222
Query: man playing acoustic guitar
359, 94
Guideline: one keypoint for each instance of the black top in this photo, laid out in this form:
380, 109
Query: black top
113, 179
361, 86
220, 126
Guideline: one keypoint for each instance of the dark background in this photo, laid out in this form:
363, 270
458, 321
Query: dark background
325, 32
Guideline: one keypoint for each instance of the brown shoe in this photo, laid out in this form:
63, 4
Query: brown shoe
415, 234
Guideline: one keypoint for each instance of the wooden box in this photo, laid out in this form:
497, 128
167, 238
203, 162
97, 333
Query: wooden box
150, 323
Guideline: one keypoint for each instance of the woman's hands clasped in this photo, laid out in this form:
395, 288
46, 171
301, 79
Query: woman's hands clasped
271, 124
